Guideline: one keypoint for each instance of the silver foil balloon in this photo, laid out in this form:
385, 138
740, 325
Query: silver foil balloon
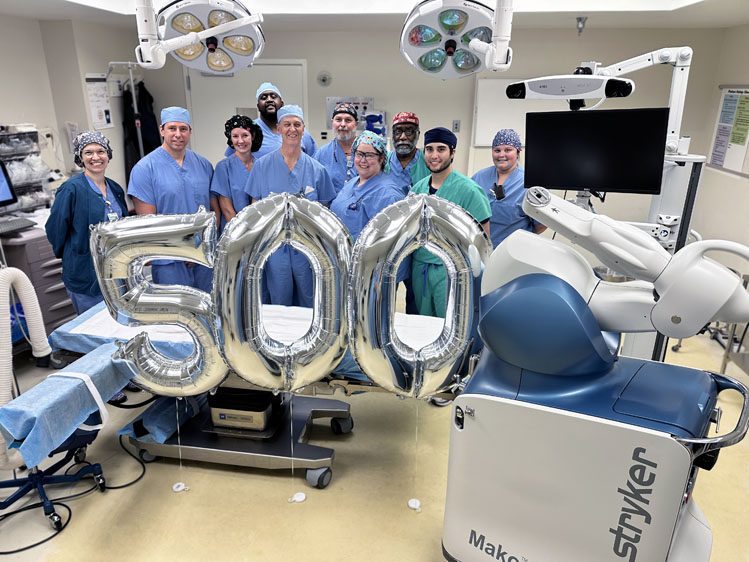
245, 246
458, 240
120, 250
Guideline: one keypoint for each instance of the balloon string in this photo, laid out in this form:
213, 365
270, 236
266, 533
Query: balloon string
416, 447
179, 437
291, 430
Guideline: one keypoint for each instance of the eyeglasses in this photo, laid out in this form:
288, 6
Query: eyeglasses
366, 155
91, 153
408, 131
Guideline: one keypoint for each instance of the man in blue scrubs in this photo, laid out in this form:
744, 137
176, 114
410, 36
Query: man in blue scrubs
337, 155
173, 180
503, 184
288, 273
406, 164
269, 102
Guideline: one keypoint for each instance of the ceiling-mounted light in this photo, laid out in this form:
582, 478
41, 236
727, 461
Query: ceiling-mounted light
215, 36
454, 38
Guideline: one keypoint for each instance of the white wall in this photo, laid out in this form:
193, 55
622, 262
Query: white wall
722, 208
69, 93
26, 95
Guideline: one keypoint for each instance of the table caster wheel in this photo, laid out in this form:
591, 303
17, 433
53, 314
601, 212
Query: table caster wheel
319, 477
80, 455
145, 456
56, 521
101, 482
339, 426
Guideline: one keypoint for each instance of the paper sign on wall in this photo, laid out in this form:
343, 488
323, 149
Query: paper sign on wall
98, 101
731, 131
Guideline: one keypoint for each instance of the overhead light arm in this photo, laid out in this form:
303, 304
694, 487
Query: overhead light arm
498, 54
151, 51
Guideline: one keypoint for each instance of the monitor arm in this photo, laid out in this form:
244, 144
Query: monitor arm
678, 57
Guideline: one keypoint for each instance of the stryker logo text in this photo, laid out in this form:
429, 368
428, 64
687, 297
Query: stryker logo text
634, 515
493, 550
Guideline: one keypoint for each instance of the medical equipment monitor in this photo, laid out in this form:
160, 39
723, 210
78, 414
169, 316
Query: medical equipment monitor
8, 199
614, 151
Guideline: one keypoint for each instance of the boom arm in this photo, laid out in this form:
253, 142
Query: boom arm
678, 57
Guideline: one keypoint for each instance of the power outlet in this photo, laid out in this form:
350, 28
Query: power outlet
456, 125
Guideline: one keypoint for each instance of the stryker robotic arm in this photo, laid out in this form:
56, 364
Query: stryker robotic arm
675, 295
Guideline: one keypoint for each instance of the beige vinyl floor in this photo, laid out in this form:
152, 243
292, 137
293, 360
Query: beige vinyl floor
397, 451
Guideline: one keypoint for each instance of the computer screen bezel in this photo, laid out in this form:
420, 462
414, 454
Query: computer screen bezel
8, 205
652, 146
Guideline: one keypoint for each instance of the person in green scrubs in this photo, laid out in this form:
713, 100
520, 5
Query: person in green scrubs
427, 270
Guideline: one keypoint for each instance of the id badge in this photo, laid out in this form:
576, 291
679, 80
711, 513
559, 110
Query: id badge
112, 217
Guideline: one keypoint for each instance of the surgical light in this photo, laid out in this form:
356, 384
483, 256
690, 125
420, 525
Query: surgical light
215, 36
219, 61
239, 44
185, 23
454, 38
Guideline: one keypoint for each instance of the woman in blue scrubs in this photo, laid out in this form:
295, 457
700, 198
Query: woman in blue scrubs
84, 200
371, 191
231, 174
504, 184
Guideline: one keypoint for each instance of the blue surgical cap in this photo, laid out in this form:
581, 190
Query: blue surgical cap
440, 134
267, 87
178, 114
508, 137
289, 111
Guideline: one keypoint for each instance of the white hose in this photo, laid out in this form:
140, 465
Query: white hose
10, 276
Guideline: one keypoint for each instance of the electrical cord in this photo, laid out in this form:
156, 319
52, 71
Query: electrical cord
134, 406
53, 535
137, 479
58, 502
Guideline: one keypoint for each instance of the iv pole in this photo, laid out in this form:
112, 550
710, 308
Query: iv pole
130, 66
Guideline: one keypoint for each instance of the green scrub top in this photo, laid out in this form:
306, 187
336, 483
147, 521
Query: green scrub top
462, 191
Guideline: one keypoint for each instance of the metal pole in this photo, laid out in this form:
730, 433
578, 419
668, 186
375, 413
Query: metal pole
135, 109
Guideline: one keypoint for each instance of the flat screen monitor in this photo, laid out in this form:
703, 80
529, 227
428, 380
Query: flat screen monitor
8, 199
619, 150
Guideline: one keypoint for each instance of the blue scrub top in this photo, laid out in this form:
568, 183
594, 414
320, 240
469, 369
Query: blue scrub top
110, 202
340, 168
507, 214
158, 180
272, 141
229, 180
271, 175
355, 205
402, 177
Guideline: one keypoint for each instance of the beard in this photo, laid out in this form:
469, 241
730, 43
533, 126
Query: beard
443, 168
404, 148
269, 116
345, 136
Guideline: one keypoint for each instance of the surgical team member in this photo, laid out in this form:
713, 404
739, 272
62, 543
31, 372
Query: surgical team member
84, 200
269, 102
406, 164
288, 274
336, 155
173, 180
230, 176
503, 184
366, 195
427, 271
